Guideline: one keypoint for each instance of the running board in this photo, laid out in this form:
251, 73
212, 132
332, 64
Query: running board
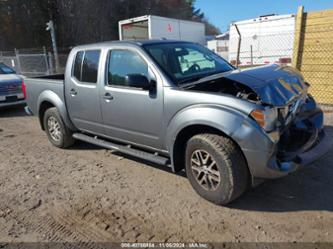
151, 157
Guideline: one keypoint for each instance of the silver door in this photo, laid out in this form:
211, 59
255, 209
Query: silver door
82, 92
131, 114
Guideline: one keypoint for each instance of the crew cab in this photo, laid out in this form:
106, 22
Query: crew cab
178, 104
11, 93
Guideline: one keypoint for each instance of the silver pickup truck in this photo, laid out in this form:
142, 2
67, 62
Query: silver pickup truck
180, 105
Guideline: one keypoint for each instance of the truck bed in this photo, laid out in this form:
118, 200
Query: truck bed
38, 87
51, 77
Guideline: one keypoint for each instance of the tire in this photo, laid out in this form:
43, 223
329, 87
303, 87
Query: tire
223, 176
63, 137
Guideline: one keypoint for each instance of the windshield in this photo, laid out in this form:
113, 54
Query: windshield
5, 70
185, 62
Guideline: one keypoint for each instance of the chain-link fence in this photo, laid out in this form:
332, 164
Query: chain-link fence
33, 62
264, 40
313, 53
62, 62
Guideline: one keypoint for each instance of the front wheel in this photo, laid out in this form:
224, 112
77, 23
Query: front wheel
57, 132
216, 168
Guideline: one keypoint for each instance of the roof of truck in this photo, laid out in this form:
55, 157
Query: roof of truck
131, 42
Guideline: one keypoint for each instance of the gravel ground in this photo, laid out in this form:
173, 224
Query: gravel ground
88, 194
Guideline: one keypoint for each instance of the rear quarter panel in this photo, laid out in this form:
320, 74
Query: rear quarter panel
43, 90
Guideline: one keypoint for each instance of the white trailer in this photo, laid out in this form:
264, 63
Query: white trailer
264, 40
156, 27
220, 47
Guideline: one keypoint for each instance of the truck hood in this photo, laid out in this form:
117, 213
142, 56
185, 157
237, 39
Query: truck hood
275, 85
9, 78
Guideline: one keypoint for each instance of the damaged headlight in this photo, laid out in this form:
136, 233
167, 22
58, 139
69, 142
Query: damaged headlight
267, 118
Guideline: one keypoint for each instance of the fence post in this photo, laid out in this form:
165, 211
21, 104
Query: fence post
298, 38
239, 44
50, 58
46, 61
19, 69
50, 27
251, 49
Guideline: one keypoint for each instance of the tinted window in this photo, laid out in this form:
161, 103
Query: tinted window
77, 65
90, 66
122, 63
86, 66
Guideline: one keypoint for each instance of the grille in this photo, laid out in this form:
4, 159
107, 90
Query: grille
10, 89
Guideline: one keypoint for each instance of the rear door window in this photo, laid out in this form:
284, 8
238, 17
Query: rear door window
86, 66
90, 66
78, 65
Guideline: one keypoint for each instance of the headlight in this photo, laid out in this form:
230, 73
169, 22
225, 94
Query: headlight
267, 118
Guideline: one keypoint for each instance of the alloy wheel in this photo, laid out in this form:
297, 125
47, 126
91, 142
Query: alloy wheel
54, 128
205, 170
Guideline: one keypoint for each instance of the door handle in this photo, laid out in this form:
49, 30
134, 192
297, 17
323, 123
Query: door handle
73, 92
108, 97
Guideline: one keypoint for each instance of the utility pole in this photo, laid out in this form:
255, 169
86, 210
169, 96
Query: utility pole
50, 27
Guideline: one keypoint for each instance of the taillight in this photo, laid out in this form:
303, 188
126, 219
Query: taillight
24, 90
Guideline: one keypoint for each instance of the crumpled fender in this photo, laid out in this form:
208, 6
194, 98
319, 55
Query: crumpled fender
222, 118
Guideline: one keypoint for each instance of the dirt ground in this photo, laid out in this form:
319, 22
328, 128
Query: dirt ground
87, 193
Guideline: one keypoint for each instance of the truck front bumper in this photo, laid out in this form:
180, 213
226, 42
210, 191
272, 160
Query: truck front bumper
321, 143
303, 143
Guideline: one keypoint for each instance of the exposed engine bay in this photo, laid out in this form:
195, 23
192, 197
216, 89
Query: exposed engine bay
227, 86
281, 88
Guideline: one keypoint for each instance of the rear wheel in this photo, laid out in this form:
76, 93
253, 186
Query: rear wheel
216, 168
56, 131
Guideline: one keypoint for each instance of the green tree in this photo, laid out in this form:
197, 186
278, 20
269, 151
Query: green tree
82, 21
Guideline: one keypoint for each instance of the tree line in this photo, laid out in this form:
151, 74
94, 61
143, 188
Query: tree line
23, 22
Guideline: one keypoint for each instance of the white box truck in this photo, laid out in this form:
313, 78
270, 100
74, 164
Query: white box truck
264, 40
156, 27
220, 47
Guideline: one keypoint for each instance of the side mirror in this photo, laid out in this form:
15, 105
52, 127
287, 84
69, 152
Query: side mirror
138, 81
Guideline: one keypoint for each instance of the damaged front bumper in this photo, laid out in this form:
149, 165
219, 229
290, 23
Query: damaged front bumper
302, 142
320, 146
